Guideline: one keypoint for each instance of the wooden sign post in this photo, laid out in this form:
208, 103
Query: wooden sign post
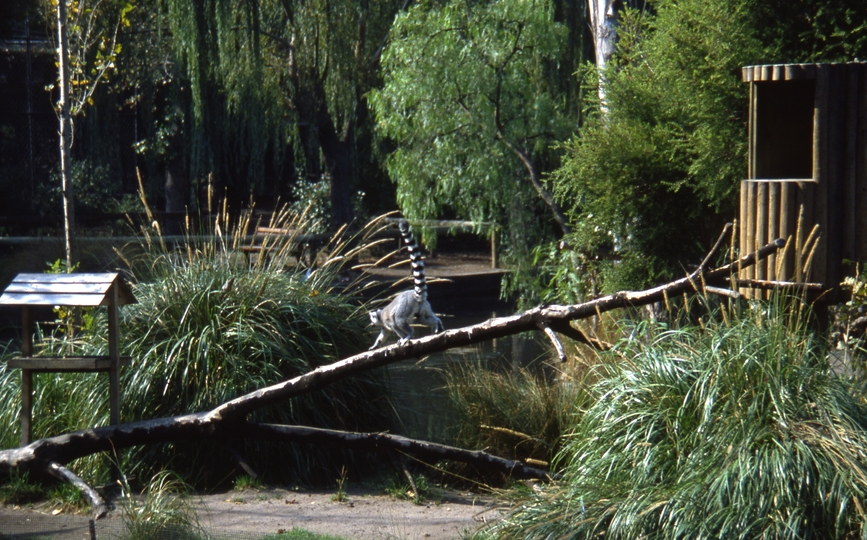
68, 290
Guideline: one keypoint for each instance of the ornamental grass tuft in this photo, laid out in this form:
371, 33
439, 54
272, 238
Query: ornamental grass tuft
735, 429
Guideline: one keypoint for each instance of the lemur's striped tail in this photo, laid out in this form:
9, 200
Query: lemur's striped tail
418, 278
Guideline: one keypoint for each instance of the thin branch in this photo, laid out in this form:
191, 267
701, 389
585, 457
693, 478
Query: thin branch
96, 502
378, 441
722, 292
770, 285
561, 353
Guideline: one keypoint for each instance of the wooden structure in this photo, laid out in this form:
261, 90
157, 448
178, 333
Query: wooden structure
72, 290
807, 176
305, 245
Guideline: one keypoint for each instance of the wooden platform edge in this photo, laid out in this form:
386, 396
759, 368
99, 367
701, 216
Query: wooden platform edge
66, 363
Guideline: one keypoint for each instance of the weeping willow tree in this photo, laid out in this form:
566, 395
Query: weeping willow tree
257, 88
471, 103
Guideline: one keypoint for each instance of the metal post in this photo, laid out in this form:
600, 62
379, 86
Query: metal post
26, 378
29, 109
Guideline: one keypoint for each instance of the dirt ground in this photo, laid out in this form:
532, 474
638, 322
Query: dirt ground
253, 513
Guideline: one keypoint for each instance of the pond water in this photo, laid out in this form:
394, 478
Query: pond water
417, 386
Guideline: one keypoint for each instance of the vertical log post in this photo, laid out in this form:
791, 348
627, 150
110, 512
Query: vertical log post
493, 246
114, 356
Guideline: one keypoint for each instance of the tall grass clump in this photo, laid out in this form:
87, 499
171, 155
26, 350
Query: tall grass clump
163, 509
519, 413
210, 326
735, 429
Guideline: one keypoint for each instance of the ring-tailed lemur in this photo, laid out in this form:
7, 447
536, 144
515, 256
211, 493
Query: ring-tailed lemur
409, 305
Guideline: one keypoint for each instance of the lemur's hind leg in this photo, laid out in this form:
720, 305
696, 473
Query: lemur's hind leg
428, 318
403, 331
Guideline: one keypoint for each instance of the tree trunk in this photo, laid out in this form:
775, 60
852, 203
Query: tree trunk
603, 22
338, 154
176, 192
66, 139
536, 180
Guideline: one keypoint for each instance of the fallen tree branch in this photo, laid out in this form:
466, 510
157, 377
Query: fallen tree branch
96, 502
555, 341
428, 451
553, 315
722, 292
220, 422
45, 453
774, 285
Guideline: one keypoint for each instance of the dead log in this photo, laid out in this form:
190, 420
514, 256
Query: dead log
554, 316
225, 421
45, 454
374, 442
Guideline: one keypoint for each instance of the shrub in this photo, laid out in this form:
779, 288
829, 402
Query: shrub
734, 430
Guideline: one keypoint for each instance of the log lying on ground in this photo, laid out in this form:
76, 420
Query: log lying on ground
225, 421
45, 454
373, 442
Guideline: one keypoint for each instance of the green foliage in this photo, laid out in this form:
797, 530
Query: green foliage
811, 31
92, 45
251, 91
299, 534
96, 191
312, 199
245, 482
462, 82
340, 494
657, 168
66, 497
654, 175
737, 429
848, 333
398, 487
18, 489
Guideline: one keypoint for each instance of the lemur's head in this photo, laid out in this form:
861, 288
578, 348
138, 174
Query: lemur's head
375, 317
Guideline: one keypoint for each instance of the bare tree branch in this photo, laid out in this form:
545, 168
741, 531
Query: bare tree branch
96, 502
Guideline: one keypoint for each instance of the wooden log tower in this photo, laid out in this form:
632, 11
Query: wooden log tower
71, 290
807, 174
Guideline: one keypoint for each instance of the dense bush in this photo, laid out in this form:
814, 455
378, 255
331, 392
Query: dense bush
737, 429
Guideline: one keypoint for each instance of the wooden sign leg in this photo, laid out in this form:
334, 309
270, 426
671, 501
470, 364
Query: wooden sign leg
26, 407
114, 394
114, 353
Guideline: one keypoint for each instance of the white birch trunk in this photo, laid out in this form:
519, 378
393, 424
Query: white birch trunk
603, 22
65, 137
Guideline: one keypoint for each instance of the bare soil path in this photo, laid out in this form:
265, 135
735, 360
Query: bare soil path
365, 515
